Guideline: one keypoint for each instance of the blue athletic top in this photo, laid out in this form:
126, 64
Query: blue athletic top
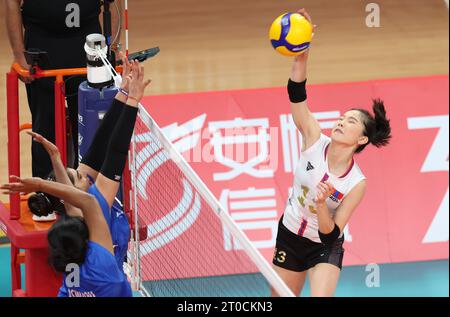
118, 225
99, 276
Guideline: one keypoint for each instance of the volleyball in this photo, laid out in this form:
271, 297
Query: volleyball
291, 34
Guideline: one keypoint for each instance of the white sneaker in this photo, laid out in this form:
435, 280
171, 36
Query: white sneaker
50, 217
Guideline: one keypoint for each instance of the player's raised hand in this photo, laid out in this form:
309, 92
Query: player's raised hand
324, 190
51, 148
22, 185
137, 82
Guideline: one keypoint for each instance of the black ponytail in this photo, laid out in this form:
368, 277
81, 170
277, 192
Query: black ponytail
377, 128
43, 204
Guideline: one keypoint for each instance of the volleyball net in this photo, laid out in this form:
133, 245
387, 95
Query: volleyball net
186, 249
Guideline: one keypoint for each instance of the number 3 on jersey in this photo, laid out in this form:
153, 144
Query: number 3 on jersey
279, 256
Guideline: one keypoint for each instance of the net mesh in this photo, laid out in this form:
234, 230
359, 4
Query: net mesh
183, 252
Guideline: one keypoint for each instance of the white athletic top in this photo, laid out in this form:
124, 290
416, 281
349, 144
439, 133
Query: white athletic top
300, 215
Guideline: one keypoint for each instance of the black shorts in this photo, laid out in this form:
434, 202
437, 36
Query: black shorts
296, 253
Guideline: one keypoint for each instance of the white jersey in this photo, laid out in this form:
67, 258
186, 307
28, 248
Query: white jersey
300, 215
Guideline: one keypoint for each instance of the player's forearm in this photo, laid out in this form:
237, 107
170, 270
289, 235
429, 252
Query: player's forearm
59, 170
120, 139
298, 71
62, 177
326, 223
96, 154
13, 18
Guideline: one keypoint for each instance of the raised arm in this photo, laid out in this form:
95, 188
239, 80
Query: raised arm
93, 216
108, 179
58, 168
302, 116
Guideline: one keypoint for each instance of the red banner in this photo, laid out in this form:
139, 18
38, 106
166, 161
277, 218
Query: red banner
244, 146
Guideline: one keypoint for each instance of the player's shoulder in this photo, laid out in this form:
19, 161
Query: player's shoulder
319, 145
100, 264
357, 175
94, 191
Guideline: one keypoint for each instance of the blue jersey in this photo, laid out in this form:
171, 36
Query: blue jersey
99, 276
118, 225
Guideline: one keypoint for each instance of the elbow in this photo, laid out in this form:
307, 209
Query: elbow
329, 238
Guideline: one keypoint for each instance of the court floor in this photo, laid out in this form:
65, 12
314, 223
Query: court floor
416, 279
